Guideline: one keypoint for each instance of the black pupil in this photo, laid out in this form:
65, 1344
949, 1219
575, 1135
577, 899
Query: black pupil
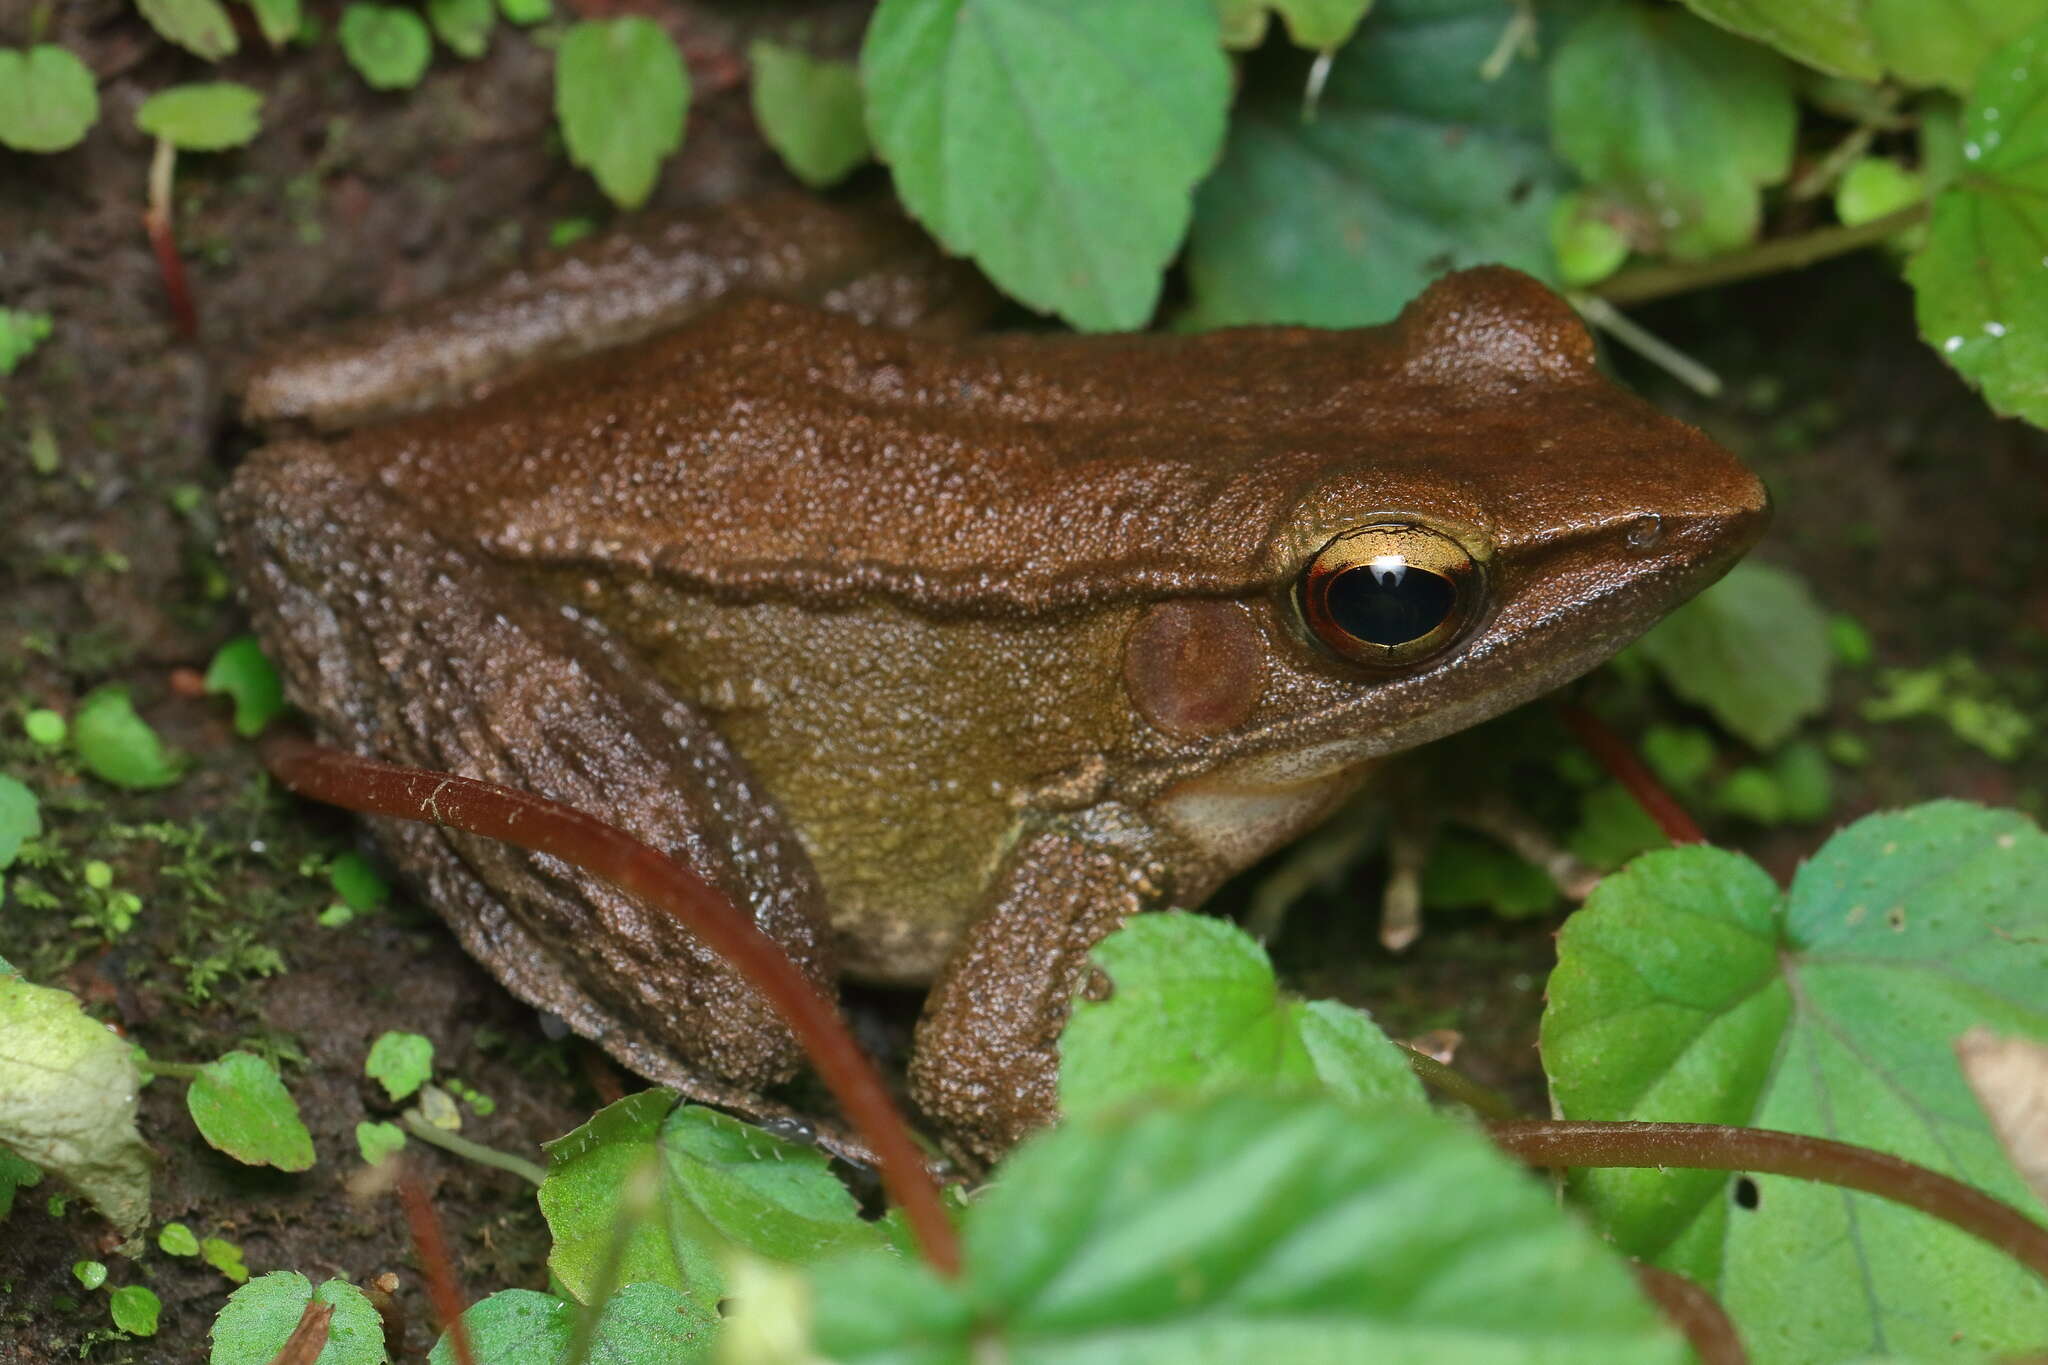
1390, 602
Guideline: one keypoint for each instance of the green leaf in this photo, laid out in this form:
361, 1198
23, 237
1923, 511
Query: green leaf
117, 746
401, 1062
1874, 186
224, 1256
1691, 988
641, 1322
201, 27
279, 20
1613, 827
1193, 1006
1806, 785
388, 46
809, 110
1796, 786
776, 1199
175, 1239
685, 1183
67, 1100
44, 455
465, 25
1679, 755
243, 1109
357, 883
202, 118
1467, 872
21, 818
15, 1174
1753, 649
621, 95
45, 728
257, 1319
1851, 643
524, 12
240, 670
47, 102
1318, 25
1752, 793
1054, 141
1415, 163
91, 1274
585, 1200
1960, 693
20, 331
1923, 42
1980, 293
1588, 245
1252, 1226
135, 1309
1674, 120
379, 1140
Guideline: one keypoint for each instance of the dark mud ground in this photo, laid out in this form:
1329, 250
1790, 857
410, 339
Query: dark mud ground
1901, 499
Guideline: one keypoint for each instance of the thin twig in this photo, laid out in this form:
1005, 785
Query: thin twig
1447, 1081
308, 1338
1718, 1147
1613, 754
1648, 345
1646, 282
471, 1151
1695, 1312
442, 1290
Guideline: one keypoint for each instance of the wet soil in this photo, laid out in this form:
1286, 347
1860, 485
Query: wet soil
1900, 498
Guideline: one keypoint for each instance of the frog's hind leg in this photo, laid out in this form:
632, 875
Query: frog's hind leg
614, 289
403, 647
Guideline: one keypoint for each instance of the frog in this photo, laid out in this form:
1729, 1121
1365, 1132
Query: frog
942, 652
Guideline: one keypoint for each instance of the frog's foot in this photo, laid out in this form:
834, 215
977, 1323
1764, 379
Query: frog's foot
404, 647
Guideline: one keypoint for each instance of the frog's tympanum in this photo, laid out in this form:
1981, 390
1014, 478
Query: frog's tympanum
943, 657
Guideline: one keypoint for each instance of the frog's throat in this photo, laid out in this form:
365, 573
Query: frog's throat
1233, 815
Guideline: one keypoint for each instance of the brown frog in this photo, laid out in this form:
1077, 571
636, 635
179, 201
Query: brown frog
942, 656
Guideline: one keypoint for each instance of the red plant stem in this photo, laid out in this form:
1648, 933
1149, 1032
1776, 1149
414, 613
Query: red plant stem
1718, 1147
1620, 761
309, 1338
382, 1293
441, 1287
1695, 1312
156, 221
543, 826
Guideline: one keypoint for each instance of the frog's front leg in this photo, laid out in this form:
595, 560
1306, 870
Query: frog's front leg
407, 646
987, 1057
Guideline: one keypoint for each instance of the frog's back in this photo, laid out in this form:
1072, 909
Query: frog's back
773, 449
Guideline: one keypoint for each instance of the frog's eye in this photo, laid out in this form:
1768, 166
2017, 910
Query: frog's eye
1391, 593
